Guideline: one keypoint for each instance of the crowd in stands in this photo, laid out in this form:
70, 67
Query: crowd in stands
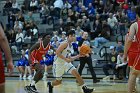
100, 18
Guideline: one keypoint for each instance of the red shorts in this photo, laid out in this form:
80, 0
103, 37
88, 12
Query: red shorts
2, 75
136, 64
131, 58
134, 60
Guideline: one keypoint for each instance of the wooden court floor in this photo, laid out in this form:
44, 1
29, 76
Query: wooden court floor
13, 85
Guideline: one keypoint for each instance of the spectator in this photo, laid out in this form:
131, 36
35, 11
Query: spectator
119, 46
86, 24
104, 36
11, 20
112, 22
121, 65
7, 7
111, 64
58, 5
44, 13
15, 6
29, 18
19, 39
33, 5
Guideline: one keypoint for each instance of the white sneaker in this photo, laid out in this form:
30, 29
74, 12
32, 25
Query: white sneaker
29, 77
24, 77
44, 77
106, 78
20, 76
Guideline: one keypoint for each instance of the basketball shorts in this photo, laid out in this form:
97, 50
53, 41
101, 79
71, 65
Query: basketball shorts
136, 64
20, 63
2, 75
131, 58
60, 69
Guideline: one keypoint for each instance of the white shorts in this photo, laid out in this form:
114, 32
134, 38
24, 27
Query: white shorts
60, 69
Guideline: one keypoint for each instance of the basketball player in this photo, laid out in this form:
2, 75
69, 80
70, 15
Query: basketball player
36, 54
86, 59
63, 63
132, 49
4, 46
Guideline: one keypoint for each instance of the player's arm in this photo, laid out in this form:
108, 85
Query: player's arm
60, 50
129, 39
5, 47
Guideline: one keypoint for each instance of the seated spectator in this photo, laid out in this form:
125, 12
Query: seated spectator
11, 20
19, 39
131, 14
55, 35
112, 22
33, 5
51, 16
7, 7
29, 18
12, 36
78, 31
17, 25
21, 18
25, 6
63, 37
44, 13
55, 43
121, 65
119, 47
111, 64
104, 36
48, 62
85, 24
23, 66
15, 6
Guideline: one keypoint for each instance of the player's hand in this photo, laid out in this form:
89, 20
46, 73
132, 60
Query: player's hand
10, 67
68, 60
125, 58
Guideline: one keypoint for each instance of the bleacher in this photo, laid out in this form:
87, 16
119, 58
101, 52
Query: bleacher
43, 28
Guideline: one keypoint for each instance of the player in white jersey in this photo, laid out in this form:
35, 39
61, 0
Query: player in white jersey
63, 64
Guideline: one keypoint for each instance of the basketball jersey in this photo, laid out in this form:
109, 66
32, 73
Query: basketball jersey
66, 53
135, 46
40, 52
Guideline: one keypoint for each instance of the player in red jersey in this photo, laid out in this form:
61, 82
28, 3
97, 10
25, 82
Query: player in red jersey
6, 49
36, 54
132, 49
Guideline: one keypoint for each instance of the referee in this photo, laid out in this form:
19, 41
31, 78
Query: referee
86, 59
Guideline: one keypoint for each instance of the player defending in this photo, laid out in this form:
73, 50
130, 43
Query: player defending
6, 49
36, 54
132, 49
63, 64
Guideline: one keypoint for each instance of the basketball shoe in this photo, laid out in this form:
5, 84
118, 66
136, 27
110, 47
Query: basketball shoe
87, 90
50, 87
30, 89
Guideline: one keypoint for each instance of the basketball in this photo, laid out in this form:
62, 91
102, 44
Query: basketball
85, 49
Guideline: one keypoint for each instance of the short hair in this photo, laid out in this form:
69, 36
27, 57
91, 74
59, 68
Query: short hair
46, 35
121, 51
70, 32
138, 10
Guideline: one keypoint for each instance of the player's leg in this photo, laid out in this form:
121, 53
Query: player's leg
71, 69
132, 80
2, 88
2, 79
38, 76
58, 71
81, 82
